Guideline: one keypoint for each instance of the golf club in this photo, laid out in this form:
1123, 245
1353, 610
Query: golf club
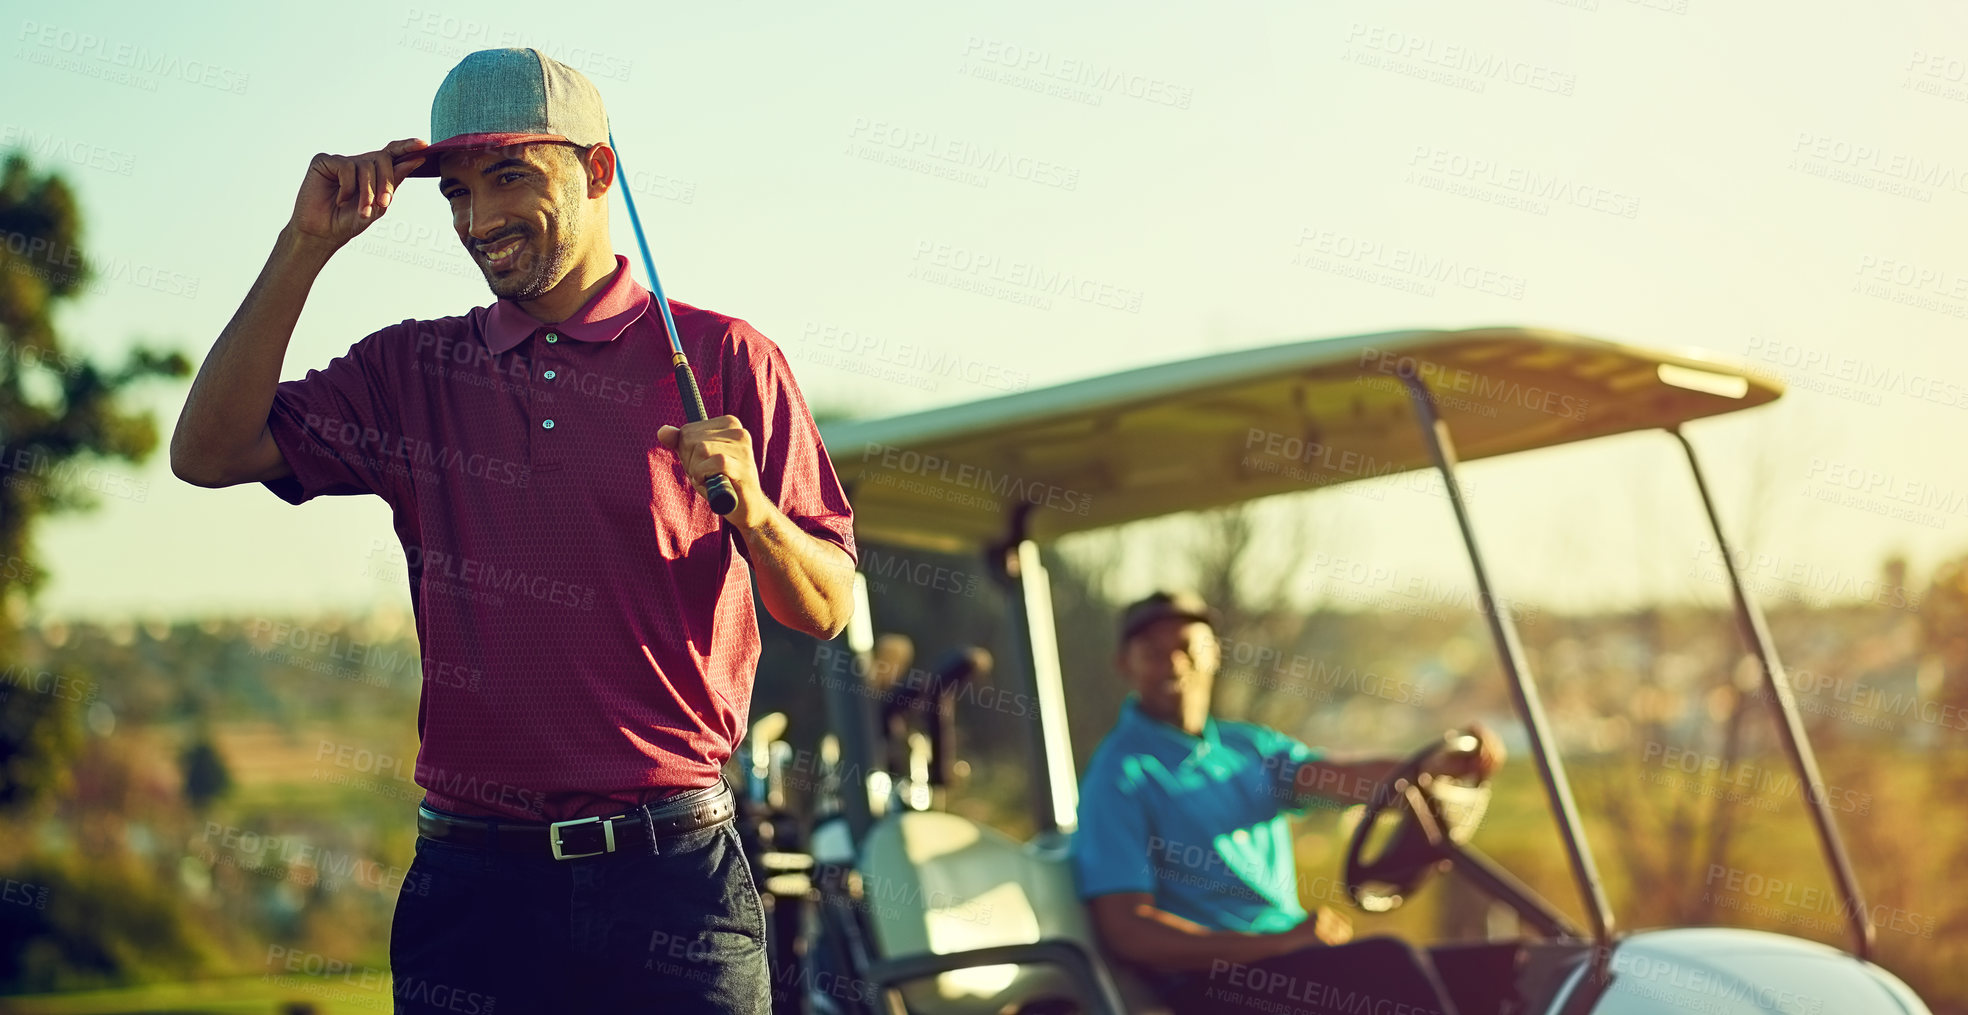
717, 489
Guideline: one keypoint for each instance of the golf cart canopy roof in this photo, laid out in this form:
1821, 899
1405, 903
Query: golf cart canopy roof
1228, 428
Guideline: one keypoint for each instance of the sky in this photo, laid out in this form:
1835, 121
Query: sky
1783, 184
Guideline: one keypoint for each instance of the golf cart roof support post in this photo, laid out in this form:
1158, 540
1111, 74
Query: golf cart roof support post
1056, 791
850, 714
1756, 637
1510, 654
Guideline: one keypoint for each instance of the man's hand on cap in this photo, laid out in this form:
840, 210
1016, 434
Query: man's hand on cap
343, 194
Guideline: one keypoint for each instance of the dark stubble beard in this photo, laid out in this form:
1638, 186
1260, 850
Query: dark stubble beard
549, 266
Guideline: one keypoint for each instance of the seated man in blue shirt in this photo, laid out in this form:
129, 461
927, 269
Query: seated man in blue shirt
1184, 853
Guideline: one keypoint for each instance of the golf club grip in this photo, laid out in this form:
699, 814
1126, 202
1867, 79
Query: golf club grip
717, 489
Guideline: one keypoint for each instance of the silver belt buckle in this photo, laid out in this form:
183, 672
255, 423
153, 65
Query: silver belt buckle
607, 836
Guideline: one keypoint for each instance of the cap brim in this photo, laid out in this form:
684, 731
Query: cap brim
433, 154
1142, 623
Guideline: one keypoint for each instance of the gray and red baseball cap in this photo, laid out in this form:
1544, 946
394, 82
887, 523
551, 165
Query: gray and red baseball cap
499, 97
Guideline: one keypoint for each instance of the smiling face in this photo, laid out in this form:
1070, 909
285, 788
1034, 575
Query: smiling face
1171, 666
525, 213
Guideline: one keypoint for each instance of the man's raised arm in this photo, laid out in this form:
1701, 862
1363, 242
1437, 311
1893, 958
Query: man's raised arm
222, 437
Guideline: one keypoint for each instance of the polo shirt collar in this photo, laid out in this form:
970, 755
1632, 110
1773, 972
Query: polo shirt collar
1141, 725
601, 319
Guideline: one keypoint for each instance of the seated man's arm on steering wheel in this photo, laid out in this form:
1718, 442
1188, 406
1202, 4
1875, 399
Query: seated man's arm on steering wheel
1353, 782
1340, 782
1133, 929
1304, 775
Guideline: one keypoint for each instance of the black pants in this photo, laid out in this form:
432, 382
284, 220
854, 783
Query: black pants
1382, 976
484, 933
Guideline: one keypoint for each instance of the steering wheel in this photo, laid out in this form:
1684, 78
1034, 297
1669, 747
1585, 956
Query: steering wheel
1436, 815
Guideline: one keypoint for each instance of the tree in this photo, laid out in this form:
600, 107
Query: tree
206, 776
59, 411
1944, 628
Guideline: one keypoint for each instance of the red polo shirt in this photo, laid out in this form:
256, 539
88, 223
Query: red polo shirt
586, 621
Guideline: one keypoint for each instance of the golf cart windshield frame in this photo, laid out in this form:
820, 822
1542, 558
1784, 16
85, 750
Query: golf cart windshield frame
1510, 653
1053, 793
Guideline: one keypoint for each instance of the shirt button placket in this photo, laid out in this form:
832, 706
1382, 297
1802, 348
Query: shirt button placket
552, 338
547, 373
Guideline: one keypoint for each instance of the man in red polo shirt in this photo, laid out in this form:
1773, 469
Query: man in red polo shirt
586, 620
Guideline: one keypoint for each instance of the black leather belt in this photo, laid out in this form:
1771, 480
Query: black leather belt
570, 840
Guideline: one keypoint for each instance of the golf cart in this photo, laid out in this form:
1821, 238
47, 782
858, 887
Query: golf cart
913, 908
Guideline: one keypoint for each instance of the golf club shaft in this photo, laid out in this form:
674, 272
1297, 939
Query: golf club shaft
717, 489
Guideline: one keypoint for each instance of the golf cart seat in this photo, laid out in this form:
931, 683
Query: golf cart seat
964, 920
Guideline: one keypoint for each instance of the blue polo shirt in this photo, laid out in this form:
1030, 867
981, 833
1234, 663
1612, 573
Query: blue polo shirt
1198, 822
